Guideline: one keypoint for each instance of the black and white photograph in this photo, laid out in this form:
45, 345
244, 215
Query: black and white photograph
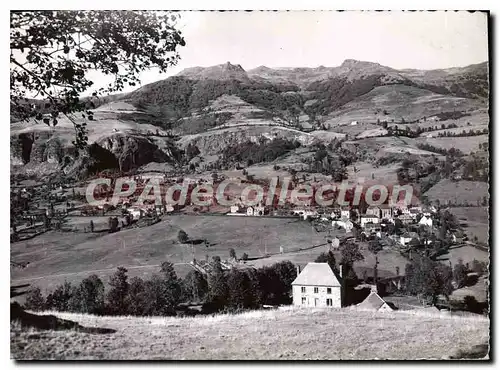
250, 185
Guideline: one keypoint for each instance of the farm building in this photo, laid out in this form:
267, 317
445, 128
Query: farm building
385, 212
317, 286
344, 223
136, 213
255, 211
305, 213
373, 211
365, 219
345, 213
406, 219
406, 238
427, 221
374, 302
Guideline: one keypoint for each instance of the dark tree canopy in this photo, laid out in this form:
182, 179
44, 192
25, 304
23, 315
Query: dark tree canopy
53, 51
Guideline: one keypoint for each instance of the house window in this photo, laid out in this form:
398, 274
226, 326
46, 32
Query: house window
316, 290
329, 302
303, 300
328, 290
303, 289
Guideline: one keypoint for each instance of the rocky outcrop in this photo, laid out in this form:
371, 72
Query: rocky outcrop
133, 151
35, 148
95, 159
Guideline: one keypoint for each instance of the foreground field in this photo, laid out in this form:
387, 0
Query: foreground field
291, 334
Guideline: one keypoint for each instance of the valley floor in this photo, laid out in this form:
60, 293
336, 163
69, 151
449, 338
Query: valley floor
285, 334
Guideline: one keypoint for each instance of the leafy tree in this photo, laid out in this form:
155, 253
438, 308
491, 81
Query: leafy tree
479, 267
270, 283
52, 53
471, 304
91, 226
34, 300
287, 273
350, 253
232, 253
239, 288
117, 296
162, 292
254, 298
328, 258
428, 278
375, 246
460, 274
113, 224
182, 236
244, 256
59, 300
88, 297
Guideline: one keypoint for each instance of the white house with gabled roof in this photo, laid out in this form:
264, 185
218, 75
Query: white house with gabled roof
317, 286
427, 221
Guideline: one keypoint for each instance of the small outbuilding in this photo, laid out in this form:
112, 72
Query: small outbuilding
375, 302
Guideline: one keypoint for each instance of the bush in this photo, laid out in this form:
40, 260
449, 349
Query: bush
34, 300
59, 300
479, 267
182, 236
244, 257
113, 224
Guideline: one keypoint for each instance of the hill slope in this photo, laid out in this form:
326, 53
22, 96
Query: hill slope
291, 334
203, 100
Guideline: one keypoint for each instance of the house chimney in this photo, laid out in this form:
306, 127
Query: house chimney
298, 270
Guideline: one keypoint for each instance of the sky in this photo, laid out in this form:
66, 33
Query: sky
421, 40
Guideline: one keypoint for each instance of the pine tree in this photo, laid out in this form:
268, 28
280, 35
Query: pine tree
460, 274
172, 286
136, 297
117, 296
195, 286
217, 286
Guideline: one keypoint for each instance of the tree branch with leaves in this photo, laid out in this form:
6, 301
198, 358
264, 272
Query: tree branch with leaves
51, 53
